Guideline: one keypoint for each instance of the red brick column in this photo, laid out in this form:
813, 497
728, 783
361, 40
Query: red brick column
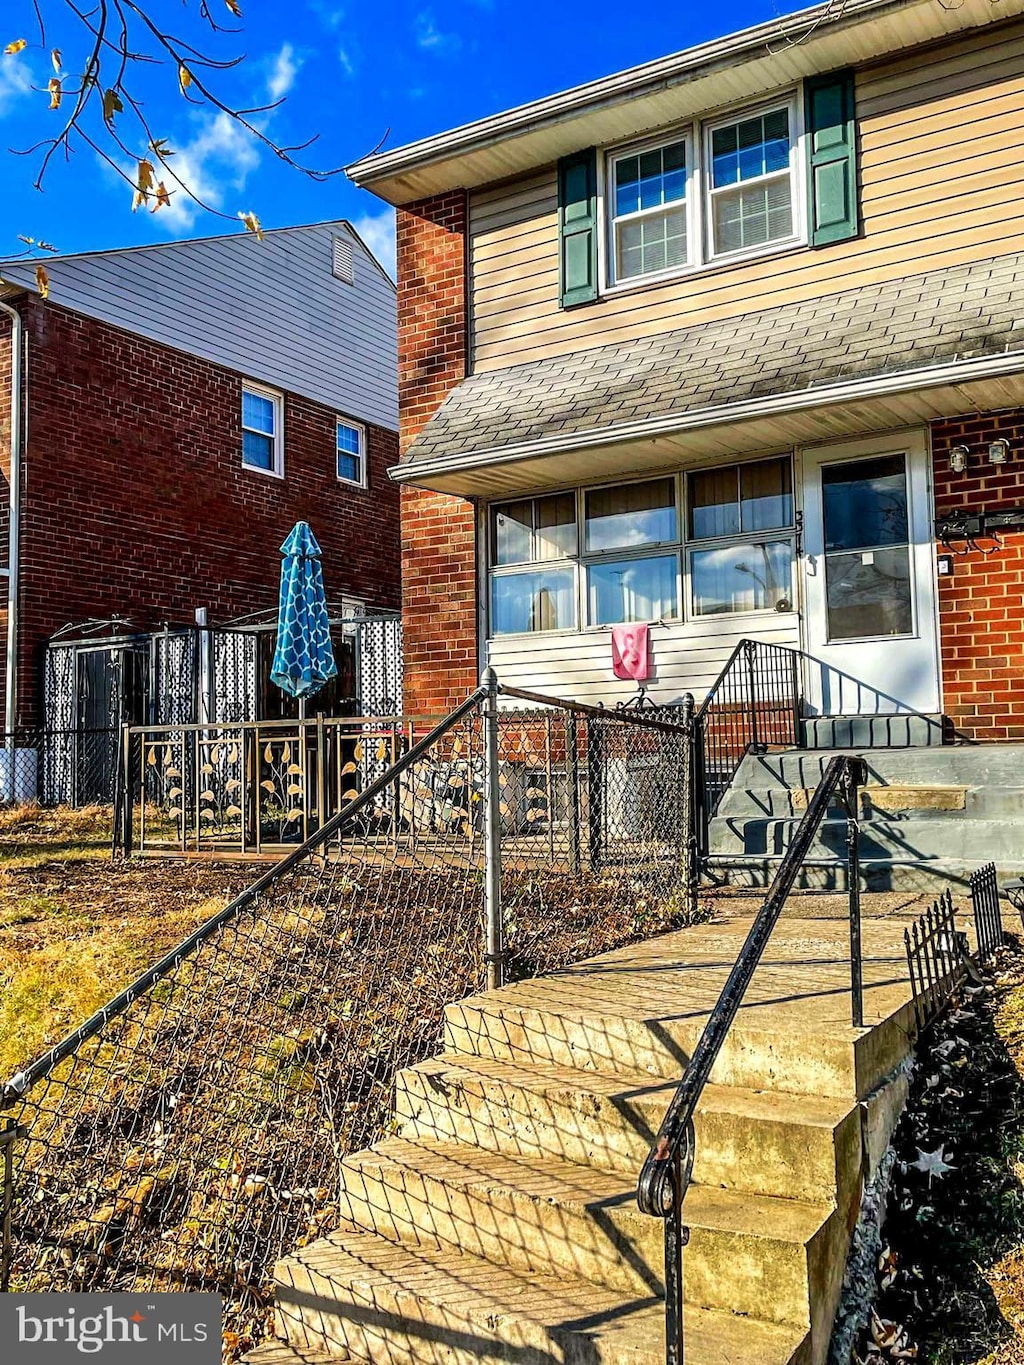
439, 601
981, 606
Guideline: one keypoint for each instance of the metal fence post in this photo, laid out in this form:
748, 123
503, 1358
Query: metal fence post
595, 793
853, 778
572, 741
9, 1135
495, 956
691, 873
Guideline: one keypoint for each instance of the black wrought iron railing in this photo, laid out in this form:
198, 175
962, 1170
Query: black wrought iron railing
988, 918
754, 705
667, 1170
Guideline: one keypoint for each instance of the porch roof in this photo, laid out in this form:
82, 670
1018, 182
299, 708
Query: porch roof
870, 358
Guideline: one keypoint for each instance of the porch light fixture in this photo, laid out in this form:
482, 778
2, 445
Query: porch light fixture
999, 452
958, 457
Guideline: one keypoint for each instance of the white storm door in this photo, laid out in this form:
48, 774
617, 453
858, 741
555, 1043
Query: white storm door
869, 578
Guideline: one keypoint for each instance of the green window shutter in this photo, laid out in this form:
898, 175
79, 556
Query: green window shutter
577, 227
831, 158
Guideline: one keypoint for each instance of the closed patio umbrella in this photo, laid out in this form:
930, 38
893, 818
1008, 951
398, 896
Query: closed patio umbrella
304, 656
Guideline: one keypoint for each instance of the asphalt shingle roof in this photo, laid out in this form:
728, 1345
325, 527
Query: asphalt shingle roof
943, 315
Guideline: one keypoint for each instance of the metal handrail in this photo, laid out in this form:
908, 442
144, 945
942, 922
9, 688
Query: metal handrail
669, 1164
756, 701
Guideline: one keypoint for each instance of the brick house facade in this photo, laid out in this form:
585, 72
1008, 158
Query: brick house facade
529, 372
135, 500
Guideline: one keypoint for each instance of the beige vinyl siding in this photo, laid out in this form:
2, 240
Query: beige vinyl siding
942, 183
687, 657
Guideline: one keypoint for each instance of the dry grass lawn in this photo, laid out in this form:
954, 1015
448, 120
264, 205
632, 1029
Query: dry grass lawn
75, 928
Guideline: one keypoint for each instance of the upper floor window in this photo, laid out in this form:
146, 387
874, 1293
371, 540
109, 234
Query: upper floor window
751, 182
262, 430
726, 188
351, 440
649, 194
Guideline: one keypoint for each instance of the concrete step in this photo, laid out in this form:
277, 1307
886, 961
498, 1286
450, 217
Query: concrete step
881, 802
795, 1146
926, 876
990, 765
789, 1035
357, 1293
747, 1253
910, 839
875, 732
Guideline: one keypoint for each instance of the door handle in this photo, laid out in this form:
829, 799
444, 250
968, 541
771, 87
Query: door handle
811, 564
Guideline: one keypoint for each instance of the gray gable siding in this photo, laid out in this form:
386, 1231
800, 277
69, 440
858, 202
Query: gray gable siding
271, 310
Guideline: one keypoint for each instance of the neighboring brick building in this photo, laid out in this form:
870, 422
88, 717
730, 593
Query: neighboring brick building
712, 379
183, 407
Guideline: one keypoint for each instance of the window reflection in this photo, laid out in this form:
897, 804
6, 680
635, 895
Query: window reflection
630, 515
750, 577
632, 590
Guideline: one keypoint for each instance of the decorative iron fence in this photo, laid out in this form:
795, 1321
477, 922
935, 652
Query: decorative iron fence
256, 788
189, 1133
936, 958
988, 918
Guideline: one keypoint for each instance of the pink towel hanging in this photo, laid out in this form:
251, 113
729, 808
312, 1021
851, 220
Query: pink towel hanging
630, 653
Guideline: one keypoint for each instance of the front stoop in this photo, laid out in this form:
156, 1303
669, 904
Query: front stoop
500, 1221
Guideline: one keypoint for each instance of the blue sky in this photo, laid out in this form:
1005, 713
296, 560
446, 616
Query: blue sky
350, 72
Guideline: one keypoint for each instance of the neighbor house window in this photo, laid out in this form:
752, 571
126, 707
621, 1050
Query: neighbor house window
713, 190
748, 571
351, 453
262, 430
751, 194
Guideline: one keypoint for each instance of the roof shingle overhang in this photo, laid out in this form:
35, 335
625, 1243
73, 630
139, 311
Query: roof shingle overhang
740, 66
874, 358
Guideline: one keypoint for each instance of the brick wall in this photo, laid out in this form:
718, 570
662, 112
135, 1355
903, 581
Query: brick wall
136, 503
981, 606
439, 600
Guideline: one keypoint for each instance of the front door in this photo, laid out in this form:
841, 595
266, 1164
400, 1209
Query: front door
869, 578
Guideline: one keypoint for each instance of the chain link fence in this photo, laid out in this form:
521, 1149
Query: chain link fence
58, 767
190, 1133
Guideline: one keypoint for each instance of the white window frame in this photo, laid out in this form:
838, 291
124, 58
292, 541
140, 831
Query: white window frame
693, 249
277, 399
682, 547
699, 236
362, 480
798, 236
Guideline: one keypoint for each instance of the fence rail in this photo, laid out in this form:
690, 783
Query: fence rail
190, 1132
755, 704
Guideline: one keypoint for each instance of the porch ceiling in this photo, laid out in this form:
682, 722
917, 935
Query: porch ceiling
868, 359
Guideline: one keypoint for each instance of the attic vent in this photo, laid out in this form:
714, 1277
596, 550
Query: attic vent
342, 263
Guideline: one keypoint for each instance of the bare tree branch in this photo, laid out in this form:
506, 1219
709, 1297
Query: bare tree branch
101, 92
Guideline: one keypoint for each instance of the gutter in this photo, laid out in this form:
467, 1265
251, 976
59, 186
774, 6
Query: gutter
672, 424
13, 574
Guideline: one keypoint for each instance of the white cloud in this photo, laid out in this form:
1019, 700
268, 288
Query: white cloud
345, 61
378, 232
285, 69
430, 38
219, 158
15, 82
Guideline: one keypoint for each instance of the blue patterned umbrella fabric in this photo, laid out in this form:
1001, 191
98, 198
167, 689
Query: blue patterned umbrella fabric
304, 656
